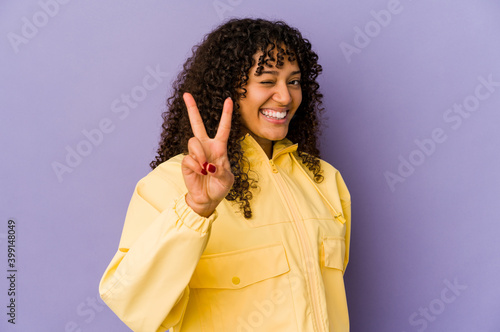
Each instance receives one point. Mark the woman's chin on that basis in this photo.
(276, 136)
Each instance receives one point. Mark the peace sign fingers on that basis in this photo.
(194, 116)
(206, 169)
(225, 121)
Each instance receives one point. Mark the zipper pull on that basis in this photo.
(340, 218)
(273, 166)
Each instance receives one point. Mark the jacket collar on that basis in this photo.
(253, 150)
(255, 154)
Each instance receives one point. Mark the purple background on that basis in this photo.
(437, 226)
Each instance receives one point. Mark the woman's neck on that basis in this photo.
(265, 144)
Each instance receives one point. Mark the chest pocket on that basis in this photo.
(333, 254)
(240, 268)
(230, 288)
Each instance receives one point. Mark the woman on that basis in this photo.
(237, 228)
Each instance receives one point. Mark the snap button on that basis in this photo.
(273, 167)
(236, 280)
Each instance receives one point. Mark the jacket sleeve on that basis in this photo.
(146, 283)
(345, 200)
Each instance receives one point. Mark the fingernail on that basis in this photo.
(204, 172)
(211, 168)
(205, 165)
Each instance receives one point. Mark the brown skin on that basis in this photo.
(219, 68)
(207, 189)
(274, 90)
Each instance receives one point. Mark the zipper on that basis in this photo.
(336, 214)
(301, 231)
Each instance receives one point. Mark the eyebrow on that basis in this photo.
(275, 72)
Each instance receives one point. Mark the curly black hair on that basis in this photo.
(219, 68)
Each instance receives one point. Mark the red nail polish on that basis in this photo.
(204, 172)
(205, 165)
(211, 168)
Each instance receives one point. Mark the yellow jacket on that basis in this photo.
(282, 270)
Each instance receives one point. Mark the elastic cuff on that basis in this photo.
(192, 219)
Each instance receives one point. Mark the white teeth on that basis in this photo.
(274, 114)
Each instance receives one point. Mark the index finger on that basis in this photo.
(194, 116)
(225, 120)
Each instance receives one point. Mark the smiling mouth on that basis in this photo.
(276, 115)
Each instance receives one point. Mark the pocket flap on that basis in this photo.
(334, 252)
(240, 268)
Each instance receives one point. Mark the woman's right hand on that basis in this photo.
(206, 169)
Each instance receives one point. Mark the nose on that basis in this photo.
(282, 94)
